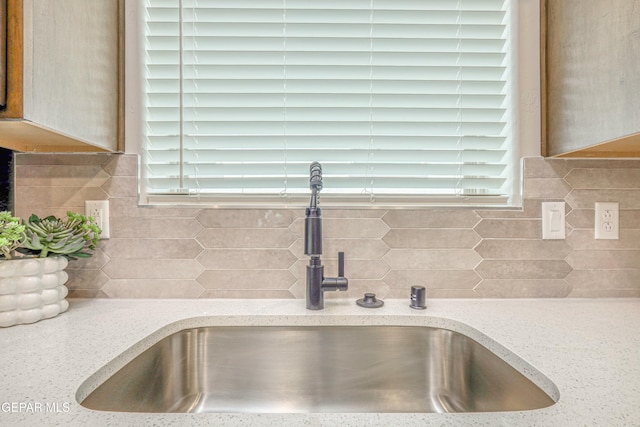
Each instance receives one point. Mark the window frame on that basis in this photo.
(526, 119)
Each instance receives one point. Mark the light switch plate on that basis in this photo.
(607, 221)
(553, 223)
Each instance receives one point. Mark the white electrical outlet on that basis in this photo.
(99, 210)
(607, 224)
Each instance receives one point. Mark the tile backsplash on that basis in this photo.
(187, 252)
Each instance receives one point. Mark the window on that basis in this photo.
(402, 101)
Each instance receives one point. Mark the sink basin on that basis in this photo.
(293, 369)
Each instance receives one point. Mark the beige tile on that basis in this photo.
(605, 293)
(124, 207)
(353, 248)
(354, 268)
(432, 279)
(510, 228)
(510, 288)
(451, 293)
(246, 279)
(581, 218)
(86, 293)
(70, 198)
(432, 259)
(629, 218)
(603, 163)
(604, 178)
(523, 269)
(345, 228)
(523, 249)
(366, 249)
(122, 165)
(26, 211)
(299, 269)
(127, 207)
(123, 268)
(298, 289)
(156, 288)
(357, 289)
(97, 261)
(121, 186)
(247, 294)
(154, 228)
(330, 212)
(539, 167)
(245, 218)
(604, 259)
(430, 238)
(152, 248)
(605, 279)
(584, 239)
(246, 238)
(433, 293)
(85, 279)
(530, 209)
(431, 218)
(428, 243)
(60, 176)
(61, 159)
(545, 188)
(246, 259)
(586, 199)
(400, 293)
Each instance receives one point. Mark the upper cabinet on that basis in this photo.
(63, 76)
(591, 78)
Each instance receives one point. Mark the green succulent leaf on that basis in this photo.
(35, 243)
(11, 234)
(54, 236)
(74, 237)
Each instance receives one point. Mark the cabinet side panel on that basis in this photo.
(592, 63)
(3, 54)
(74, 69)
(13, 56)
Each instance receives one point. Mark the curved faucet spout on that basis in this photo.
(315, 184)
(315, 176)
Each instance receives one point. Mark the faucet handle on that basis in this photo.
(339, 283)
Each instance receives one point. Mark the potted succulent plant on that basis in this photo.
(33, 256)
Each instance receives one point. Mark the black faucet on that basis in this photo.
(317, 284)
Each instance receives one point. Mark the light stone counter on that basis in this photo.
(585, 351)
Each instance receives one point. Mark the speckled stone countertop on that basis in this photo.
(585, 351)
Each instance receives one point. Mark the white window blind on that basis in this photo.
(400, 100)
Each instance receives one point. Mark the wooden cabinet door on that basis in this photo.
(591, 77)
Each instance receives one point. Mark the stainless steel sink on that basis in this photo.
(269, 369)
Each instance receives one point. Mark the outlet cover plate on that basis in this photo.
(607, 221)
(99, 210)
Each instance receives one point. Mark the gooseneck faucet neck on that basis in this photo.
(317, 284)
(315, 184)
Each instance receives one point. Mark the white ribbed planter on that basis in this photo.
(32, 289)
